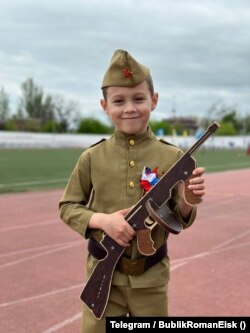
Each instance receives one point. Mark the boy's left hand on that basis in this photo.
(197, 183)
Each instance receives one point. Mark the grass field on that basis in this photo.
(36, 169)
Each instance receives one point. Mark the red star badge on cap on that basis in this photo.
(127, 73)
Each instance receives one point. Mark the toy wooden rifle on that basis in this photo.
(150, 206)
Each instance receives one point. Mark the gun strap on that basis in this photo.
(126, 265)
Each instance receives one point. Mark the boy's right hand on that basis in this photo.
(114, 225)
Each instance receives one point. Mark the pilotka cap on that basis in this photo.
(124, 71)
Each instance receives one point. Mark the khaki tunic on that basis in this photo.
(105, 179)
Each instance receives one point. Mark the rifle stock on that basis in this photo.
(96, 292)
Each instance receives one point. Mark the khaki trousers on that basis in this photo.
(125, 301)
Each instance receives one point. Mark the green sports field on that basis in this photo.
(36, 169)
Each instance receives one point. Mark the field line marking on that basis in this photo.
(36, 297)
(195, 256)
(39, 255)
(231, 240)
(33, 249)
(63, 323)
(181, 262)
(52, 221)
(34, 182)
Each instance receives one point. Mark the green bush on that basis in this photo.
(157, 125)
(52, 127)
(90, 125)
(226, 129)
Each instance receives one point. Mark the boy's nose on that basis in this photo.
(129, 107)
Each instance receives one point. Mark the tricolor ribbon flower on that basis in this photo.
(149, 178)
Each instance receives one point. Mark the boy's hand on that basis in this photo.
(118, 228)
(197, 185)
(114, 225)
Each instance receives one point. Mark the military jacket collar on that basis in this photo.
(127, 140)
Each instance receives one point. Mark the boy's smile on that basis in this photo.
(130, 108)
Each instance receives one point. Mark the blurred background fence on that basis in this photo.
(50, 140)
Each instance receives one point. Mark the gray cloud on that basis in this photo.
(198, 51)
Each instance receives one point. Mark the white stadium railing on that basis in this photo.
(46, 140)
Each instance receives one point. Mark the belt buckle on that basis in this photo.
(131, 266)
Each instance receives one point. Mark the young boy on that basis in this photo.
(110, 178)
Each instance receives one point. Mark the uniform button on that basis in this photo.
(132, 163)
(132, 184)
(131, 142)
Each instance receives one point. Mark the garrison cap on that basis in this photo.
(124, 71)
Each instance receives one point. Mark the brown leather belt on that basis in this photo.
(126, 265)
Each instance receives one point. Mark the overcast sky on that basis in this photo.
(198, 51)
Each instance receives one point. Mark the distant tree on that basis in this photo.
(231, 118)
(34, 103)
(246, 125)
(4, 106)
(66, 113)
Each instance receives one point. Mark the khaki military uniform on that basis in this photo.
(106, 179)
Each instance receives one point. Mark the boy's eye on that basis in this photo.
(117, 101)
(139, 99)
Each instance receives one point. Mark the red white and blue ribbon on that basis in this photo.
(149, 178)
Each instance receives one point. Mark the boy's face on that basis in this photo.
(130, 108)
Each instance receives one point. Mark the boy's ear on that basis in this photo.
(104, 105)
(154, 101)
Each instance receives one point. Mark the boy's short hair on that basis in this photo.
(125, 71)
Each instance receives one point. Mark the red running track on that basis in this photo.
(42, 260)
